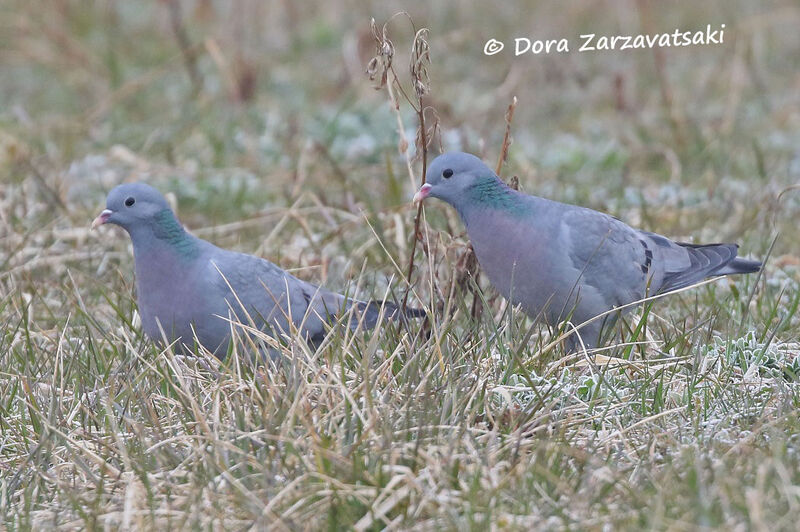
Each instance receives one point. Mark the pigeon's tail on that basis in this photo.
(372, 311)
(366, 315)
(738, 265)
(709, 260)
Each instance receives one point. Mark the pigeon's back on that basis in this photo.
(260, 294)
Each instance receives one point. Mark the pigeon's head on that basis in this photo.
(451, 175)
(130, 205)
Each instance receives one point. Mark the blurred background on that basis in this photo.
(258, 121)
(245, 109)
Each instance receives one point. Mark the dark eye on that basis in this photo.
(130, 201)
(447, 174)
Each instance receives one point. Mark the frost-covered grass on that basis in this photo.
(282, 148)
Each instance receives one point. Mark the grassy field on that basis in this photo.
(261, 124)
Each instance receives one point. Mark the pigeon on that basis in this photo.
(189, 290)
(562, 262)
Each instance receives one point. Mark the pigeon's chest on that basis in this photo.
(515, 254)
(501, 246)
(169, 297)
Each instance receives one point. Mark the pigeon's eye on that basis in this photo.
(130, 201)
(447, 174)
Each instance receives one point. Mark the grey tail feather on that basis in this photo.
(372, 311)
(708, 260)
(738, 265)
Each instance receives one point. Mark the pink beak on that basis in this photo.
(102, 218)
(423, 192)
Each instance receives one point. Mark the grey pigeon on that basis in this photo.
(187, 288)
(561, 261)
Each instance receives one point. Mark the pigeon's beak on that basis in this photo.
(102, 218)
(423, 192)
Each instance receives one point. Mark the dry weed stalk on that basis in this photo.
(507, 136)
(188, 51)
(676, 119)
(381, 67)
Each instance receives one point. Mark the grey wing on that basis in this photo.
(262, 294)
(624, 264)
(321, 307)
(610, 255)
(257, 292)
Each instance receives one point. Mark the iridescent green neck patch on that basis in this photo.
(492, 193)
(168, 229)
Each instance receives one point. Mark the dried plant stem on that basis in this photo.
(401, 129)
(675, 119)
(404, 149)
(507, 137)
(381, 66)
(418, 217)
(184, 43)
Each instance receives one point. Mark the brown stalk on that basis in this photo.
(507, 137)
(381, 66)
(188, 51)
(417, 218)
(667, 100)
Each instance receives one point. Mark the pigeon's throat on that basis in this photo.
(168, 230)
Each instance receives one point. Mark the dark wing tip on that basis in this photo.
(372, 311)
(415, 312)
(708, 260)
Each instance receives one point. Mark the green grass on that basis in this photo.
(689, 421)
